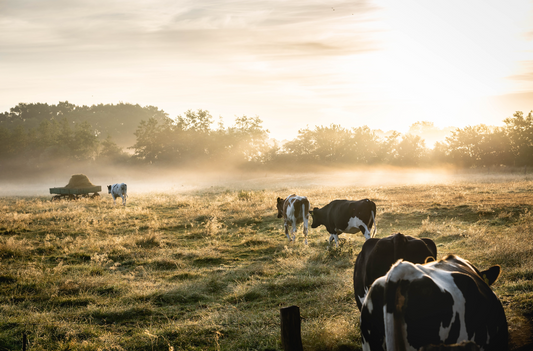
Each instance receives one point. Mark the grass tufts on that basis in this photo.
(210, 269)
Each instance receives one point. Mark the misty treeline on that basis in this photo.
(34, 135)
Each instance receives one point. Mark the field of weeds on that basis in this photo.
(210, 269)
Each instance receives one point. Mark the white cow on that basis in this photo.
(117, 190)
(294, 210)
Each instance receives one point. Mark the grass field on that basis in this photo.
(210, 269)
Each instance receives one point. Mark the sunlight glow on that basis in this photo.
(385, 63)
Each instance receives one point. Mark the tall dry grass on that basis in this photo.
(209, 270)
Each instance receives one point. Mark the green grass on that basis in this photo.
(210, 270)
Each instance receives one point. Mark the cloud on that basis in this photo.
(527, 72)
(382, 63)
(184, 28)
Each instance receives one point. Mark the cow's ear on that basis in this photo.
(491, 275)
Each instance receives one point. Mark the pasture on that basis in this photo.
(209, 269)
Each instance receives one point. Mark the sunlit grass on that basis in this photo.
(209, 270)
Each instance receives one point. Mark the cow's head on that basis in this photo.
(315, 214)
(109, 189)
(279, 206)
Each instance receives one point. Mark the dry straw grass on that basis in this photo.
(209, 270)
(79, 181)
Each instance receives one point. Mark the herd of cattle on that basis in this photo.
(408, 299)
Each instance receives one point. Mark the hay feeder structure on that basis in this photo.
(78, 187)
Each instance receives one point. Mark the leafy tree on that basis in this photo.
(364, 146)
(302, 148)
(475, 146)
(199, 121)
(495, 148)
(520, 132)
(7, 146)
(85, 142)
(410, 150)
(249, 139)
(148, 146)
(439, 154)
(388, 151)
(324, 144)
(119, 120)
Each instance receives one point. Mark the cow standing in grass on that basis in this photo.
(294, 210)
(116, 190)
(448, 301)
(346, 216)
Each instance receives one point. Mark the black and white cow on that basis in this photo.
(116, 190)
(378, 255)
(294, 210)
(442, 302)
(346, 216)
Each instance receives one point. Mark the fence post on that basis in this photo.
(291, 337)
(24, 341)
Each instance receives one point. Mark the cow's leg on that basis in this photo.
(114, 201)
(286, 225)
(294, 228)
(123, 199)
(336, 237)
(306, 229)
(364, 229)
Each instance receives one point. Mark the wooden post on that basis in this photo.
(24, 341)
(291, 337)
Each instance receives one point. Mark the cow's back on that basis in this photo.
(298, 204)
(361, 209)
(442, 302)
(339, 212)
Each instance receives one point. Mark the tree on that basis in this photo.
(148, 146)
(246, 140)
(199, 121)
(475, 146)
(410, 150)
(302, 148)
(387, 151)
(520, 132)
(85, 142)
(364, 146)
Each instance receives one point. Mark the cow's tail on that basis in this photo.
(395, 333)
(375, 229)
(395, 301)
(305, 216)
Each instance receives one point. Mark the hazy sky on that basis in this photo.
(297, 63)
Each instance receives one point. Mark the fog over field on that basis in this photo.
(179, 181)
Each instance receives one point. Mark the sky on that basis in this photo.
(385, 64)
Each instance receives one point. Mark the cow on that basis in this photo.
(117, 190)
(294, 210)
(378, 255)
(345, 216)
(448, 301)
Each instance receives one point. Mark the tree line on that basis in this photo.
(131, 134)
